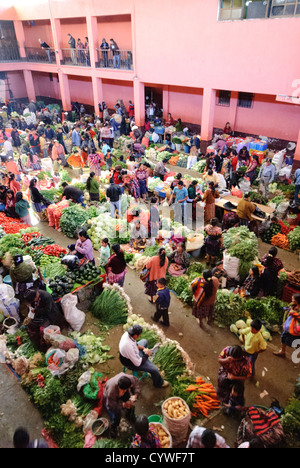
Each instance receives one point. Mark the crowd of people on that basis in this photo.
(89, 142)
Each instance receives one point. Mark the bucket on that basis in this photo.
(155, 418)
(195, 253)
(99, 426)
(186, 148)
(7, 280)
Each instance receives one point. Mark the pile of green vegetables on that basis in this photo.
(64, 284)
(72, 218)
(241, 243)
(267, 235)
(269, 310)
(110, 307)
(290, 421)
(294, 239)
(229, 307)
(180, 285)
(170, 361)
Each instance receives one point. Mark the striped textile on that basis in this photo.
(262, 421)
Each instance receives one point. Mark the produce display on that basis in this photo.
(170, 361)
(294, 239)
(162, 433)
(110, 307)
(205, 397)
(241, 243)
(175, 408)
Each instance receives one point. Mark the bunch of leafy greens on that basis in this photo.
(241, 243)
(110, 308)
(72, 218)
(229, 307)
(267, 309)
(181, 286)
(169, 359)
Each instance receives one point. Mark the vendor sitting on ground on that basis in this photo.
(179, 260)
(138, 233)
(252, 284)
(45, 313)
(120, 394)
(135, 355)
(83, 248)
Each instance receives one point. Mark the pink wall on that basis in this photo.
(186, 103)
(118, 28)
(44, 86)
(112, 91)
(81, 89)
(40, 30)
(17, 84)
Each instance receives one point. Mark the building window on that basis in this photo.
(231, 10)
(285, 8)
(245, 100)
(254, 9)
(224, 98)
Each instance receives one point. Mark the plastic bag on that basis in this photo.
(70, 260)
(231, 266)
(73, 315)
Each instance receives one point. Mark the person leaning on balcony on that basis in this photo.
(72, 44)
(116, 53)
(104, 48)
(46, 47)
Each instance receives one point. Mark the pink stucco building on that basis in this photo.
(205, 61)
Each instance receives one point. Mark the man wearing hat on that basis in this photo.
(135, 355)
(266, 176)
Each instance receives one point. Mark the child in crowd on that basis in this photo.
(254, 342)
(22, 208)
(236, 402)
(104, 251)
(162, 302)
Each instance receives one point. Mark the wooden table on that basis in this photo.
(235, 200)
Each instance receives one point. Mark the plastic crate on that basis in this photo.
(288, 292)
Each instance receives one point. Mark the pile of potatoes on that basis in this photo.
(175, 408)
(162, 434)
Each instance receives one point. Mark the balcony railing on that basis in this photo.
(40, 55)
(10, 54)
(120, 60)
(77, 57)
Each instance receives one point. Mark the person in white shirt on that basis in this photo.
(8, 149)
(134, 355)
(201, 437)
(266, 177)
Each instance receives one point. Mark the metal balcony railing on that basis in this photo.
(10, 54)
(40, 55)
(77, 57)
(121, 59)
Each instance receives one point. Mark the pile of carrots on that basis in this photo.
(173, 160)
(205, 399)
(280, 240)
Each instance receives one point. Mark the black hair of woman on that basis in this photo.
(208, 286)
(84, 234)
(19, 196)
(32, 182)
(141, 425)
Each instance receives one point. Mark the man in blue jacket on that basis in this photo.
(76, 138)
